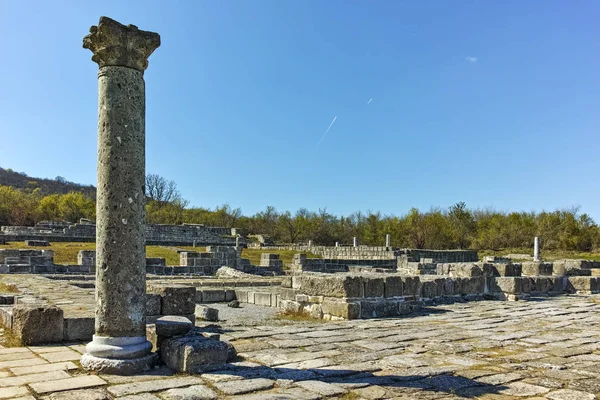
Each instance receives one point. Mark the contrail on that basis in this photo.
(370, 100)
(327, 131)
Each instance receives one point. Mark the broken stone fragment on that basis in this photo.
(207, 313)
(195, 353)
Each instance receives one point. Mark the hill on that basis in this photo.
(58, 185)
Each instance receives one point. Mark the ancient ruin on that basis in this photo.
(345, 321)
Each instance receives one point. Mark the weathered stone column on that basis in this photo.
(536, 249)
(388, 241)
(310, 243)
(355, 242)
(120, 345)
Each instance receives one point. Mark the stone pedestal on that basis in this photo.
(119, 345)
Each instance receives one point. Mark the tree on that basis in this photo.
(161, 190)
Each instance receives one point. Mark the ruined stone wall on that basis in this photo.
(301, 263)
(169, 235)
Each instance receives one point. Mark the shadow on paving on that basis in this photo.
(437, 382)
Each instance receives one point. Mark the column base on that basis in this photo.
(119, 355)
(116, 366)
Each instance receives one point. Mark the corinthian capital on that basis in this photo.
(115, 44)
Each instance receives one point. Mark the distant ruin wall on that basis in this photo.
(169, 235)
(371, 253)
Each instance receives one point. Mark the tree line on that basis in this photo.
(456, 227)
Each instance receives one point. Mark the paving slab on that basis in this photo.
(196, 392)
(55, 357)
(79, 382)
(12, 392)
(37, 369)
(32, 378)
(244, 386)
(154, 385)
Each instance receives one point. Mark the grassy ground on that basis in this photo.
(285, 255)
(547, 255)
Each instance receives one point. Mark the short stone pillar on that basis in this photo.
(355, 242)
(337, 244)
(119, 345)
(310, 243)
(536, 249)
(388, 241)
(237, 242)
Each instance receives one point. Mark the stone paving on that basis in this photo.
(547, 348)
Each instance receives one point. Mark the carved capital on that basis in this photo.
(115, 44)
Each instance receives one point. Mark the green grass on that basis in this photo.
(548, 255)
(285, 255)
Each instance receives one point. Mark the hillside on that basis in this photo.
(59, 185)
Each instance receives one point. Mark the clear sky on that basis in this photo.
(494, 103)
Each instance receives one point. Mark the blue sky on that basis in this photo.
(491, 103)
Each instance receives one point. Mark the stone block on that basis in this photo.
(428, 289)
(262, 299)
(583, 284)
(37, 243)
(511, 285)
(378, 308)
(152, 304)
(542, 284)
(536, 268)
(172, 325)
(213, 295)
(571, 267)
(392, 286)
(207, 313)
(242, 295)
(286, 282)
(411, 286)
(470, 286)
(501, 269)
(38, 324)
(176, 299)
(78, 328)
(195, 353)
(341, 309)
(373, 286)
(337, 285)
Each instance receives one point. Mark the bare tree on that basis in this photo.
(161, 190)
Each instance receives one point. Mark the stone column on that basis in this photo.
(388, 241)
(337, 244)
(536, 249)
(355, 242)
(119, 345)
(310, 243)
(237, 242)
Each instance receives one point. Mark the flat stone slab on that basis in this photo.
(86, 394)
(12, 392)
(197, 392)
(33, 378)
(78, 382)
(322, 388)
(68, 355)
(37, 369)
(154, 386)
(244, 386)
